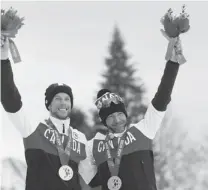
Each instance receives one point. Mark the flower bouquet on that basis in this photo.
(173, 27)
(10, 24)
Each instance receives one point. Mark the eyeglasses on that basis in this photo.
(106, 99)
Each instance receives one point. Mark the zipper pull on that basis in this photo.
(63, 129)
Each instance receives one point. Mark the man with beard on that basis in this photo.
(122, 159)
(53, 149)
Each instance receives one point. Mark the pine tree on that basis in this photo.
(119, 77)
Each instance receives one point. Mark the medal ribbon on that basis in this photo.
(64, 154)
(12, 46)
(114, 167)
(14, 51)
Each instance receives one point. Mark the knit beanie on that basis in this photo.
(109, 103)
(54, 89)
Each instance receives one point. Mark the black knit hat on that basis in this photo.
(104, 112)
(54, 89)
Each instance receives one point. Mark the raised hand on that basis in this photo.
(4, 48)
(174, 50)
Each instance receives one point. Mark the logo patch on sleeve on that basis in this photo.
(75, 135)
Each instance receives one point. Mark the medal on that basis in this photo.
(66, 173)
(114, 183)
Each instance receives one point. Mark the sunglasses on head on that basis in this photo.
(106, 99)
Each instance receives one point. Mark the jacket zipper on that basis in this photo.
(148, 183)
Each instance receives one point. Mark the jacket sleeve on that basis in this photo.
(11, 100)
(163, 94)
(154, 115)
(10, 96)
(87, 167)
(96, 181)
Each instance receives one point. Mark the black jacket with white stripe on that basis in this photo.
(137, 164)
(41, 154)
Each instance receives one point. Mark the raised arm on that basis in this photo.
(163, 94)
(156, 110)
(10, 96)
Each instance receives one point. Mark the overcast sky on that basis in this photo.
(68, 42)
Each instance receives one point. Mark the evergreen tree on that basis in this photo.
(119, 77)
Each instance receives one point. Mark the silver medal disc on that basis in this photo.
(114, 183)
(66, 173)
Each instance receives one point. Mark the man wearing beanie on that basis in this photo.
(123, 158)
(53, 149)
